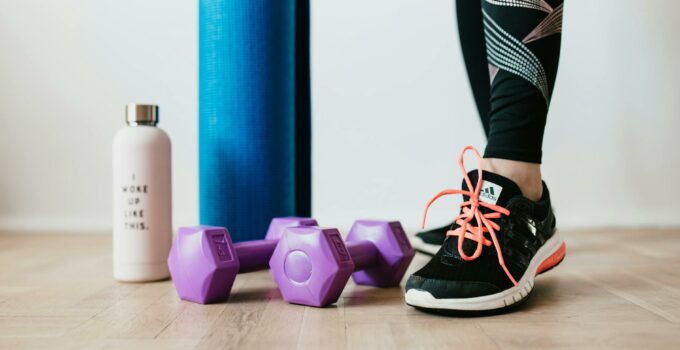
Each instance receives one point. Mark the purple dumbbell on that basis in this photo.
(311, 265)
(204, 262)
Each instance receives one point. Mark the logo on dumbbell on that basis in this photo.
(336, 241)
(222, 247)
(399, 234)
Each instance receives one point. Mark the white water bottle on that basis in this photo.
(142, 198)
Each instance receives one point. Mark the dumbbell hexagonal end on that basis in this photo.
(203, 264)
(394, 247)
(278, 225)
(311, 265)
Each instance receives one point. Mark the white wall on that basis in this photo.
(67, 69)
(391, 106)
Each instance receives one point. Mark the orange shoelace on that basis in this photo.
(471, 210)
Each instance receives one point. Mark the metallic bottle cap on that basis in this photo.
(140, 114)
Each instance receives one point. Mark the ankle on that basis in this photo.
(526, 175)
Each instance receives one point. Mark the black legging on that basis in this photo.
(511, 50)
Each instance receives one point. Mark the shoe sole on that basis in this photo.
(424, 247)
(548, 256)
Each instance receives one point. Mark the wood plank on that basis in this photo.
(370, 336)
(324, 328)
(441, 334)
(241, 314)
(562, 334)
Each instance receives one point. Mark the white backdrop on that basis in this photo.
(391, 107)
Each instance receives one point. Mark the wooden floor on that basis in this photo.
(614, 290)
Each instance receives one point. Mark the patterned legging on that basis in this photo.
(511, 50)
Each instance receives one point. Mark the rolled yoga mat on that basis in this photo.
(254, 113)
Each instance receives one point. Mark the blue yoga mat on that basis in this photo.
(254, 157)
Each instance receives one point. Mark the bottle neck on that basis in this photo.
(140, 123)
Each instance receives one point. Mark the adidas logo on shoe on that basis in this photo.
(490, 192)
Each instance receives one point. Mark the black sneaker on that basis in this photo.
(429, 242)
(525, 237)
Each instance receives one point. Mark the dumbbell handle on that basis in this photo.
(255, 255)
(363, 253)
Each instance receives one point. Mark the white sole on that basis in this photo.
(506, 298)
(423, 247)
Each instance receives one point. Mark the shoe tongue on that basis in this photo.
(496, 189)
